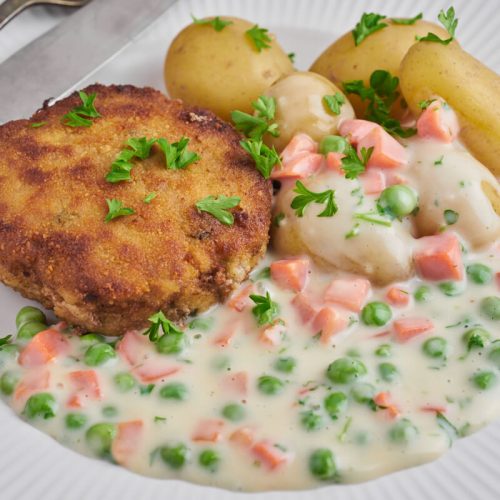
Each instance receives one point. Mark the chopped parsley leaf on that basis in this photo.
(439, 161)
(264, 157)
(305, 197)
(150, 197)
(80, 116)
(334, 102)
(219, 207)
(352, 164)
(407, 21)
(116, 209)
(259, 37)
(217, 23)
(177, 156)
(159, 321)
(368, 24)
(291, 56)
(37, 124)
(450, 23)
(256, 126)
(265, 310)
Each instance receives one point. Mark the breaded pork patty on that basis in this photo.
(55, 246)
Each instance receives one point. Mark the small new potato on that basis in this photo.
(222, 70)
(343, 60)
(467, 85)
(300, 107)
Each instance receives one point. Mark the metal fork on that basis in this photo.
(10, 8)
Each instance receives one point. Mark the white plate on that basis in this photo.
(34, 467)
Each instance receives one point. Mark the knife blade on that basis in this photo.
(70, 52)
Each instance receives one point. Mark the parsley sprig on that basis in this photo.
(255, 126)
(381, 95)
(5, 341)
(217, 23)
(265, 158)
(219, 207)
(352, 164)
(177, 156)
(407, 21)
(305, 197)
(116, 209)
(79, 115)
(139, 147)
(160, 322)
(334, 102)
(368, 24)
(259, 37)
(265, 310)
(450, 23)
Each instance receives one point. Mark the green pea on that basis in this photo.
(98, 354)
(335, 404)
(285, 365)
(100, 437)
(490, 308)
(363, 392)
(403, 431)
(110, 411)
(333, 144)
(209, 459)
(346, 370)
(388, 372)
(435, 347)
(384, 351)
(233, 412)
(398, 200)
(174, 390)
(267, 384)
(311, 421)
(124, 381)
(173, 343)
(29, 314)
(479, 273)
(28, 330)
(476, 337)
(484, 380)
(41, 405)
(422, 293)
(75, 420)
(376, 314)
(91, 338)
(8, 382)
(494, 354)
(322, 464)
(175, 456)
(451, 288)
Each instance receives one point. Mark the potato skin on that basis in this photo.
(343, 61)
(222, 71)
(300, 107)
(469, 87)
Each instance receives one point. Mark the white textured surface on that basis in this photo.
(34, 467)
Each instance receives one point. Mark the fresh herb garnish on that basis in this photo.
(352, 164)
(450, 23)
(219, 207)
(265, 310)
(353, 232)
(305, 197)
(116, 209)
(374, 218)
(450, 217)
(159, 321)
(278, 218)
(37, 124)
(447, 426)
(150, 197)
(381, 95)
(4, 341)
(139, 147)
(291, 56)
(79, 115)
(334, 102)
(439, 161)
(177, 155)
(259, 37)
(368, 24)
(256, 126)
(263, 274)
(425, 103)
(407, 21)
(265, 158)
(217, 23)
(160, 419)
(145, 390)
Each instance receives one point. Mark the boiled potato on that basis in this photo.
(300, 107)
(343, 61)
(470, 88)
(222, 70)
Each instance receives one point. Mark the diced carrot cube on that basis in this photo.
(271, 456)
(127, 440)
(334, 162)
(209, 430)
(153, 370)
(387, 151)
(355, 130)
(439, 257)
(329, 321)
(130, 346)
(86, 385)
(272, 335)
(350, 293)
(383, 400)
(32, 381)
(236, 383)
(497, 279)
(373, 181)
(291, 274)
(43, 348)
(227, 333)
(438, 122)
(241, 298)
(304, 307)
(300, 143)
(407, 328)
(301, 166)
(434, 408)
(397, 296)
(244, 436)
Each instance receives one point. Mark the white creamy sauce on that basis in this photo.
(360, 438)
